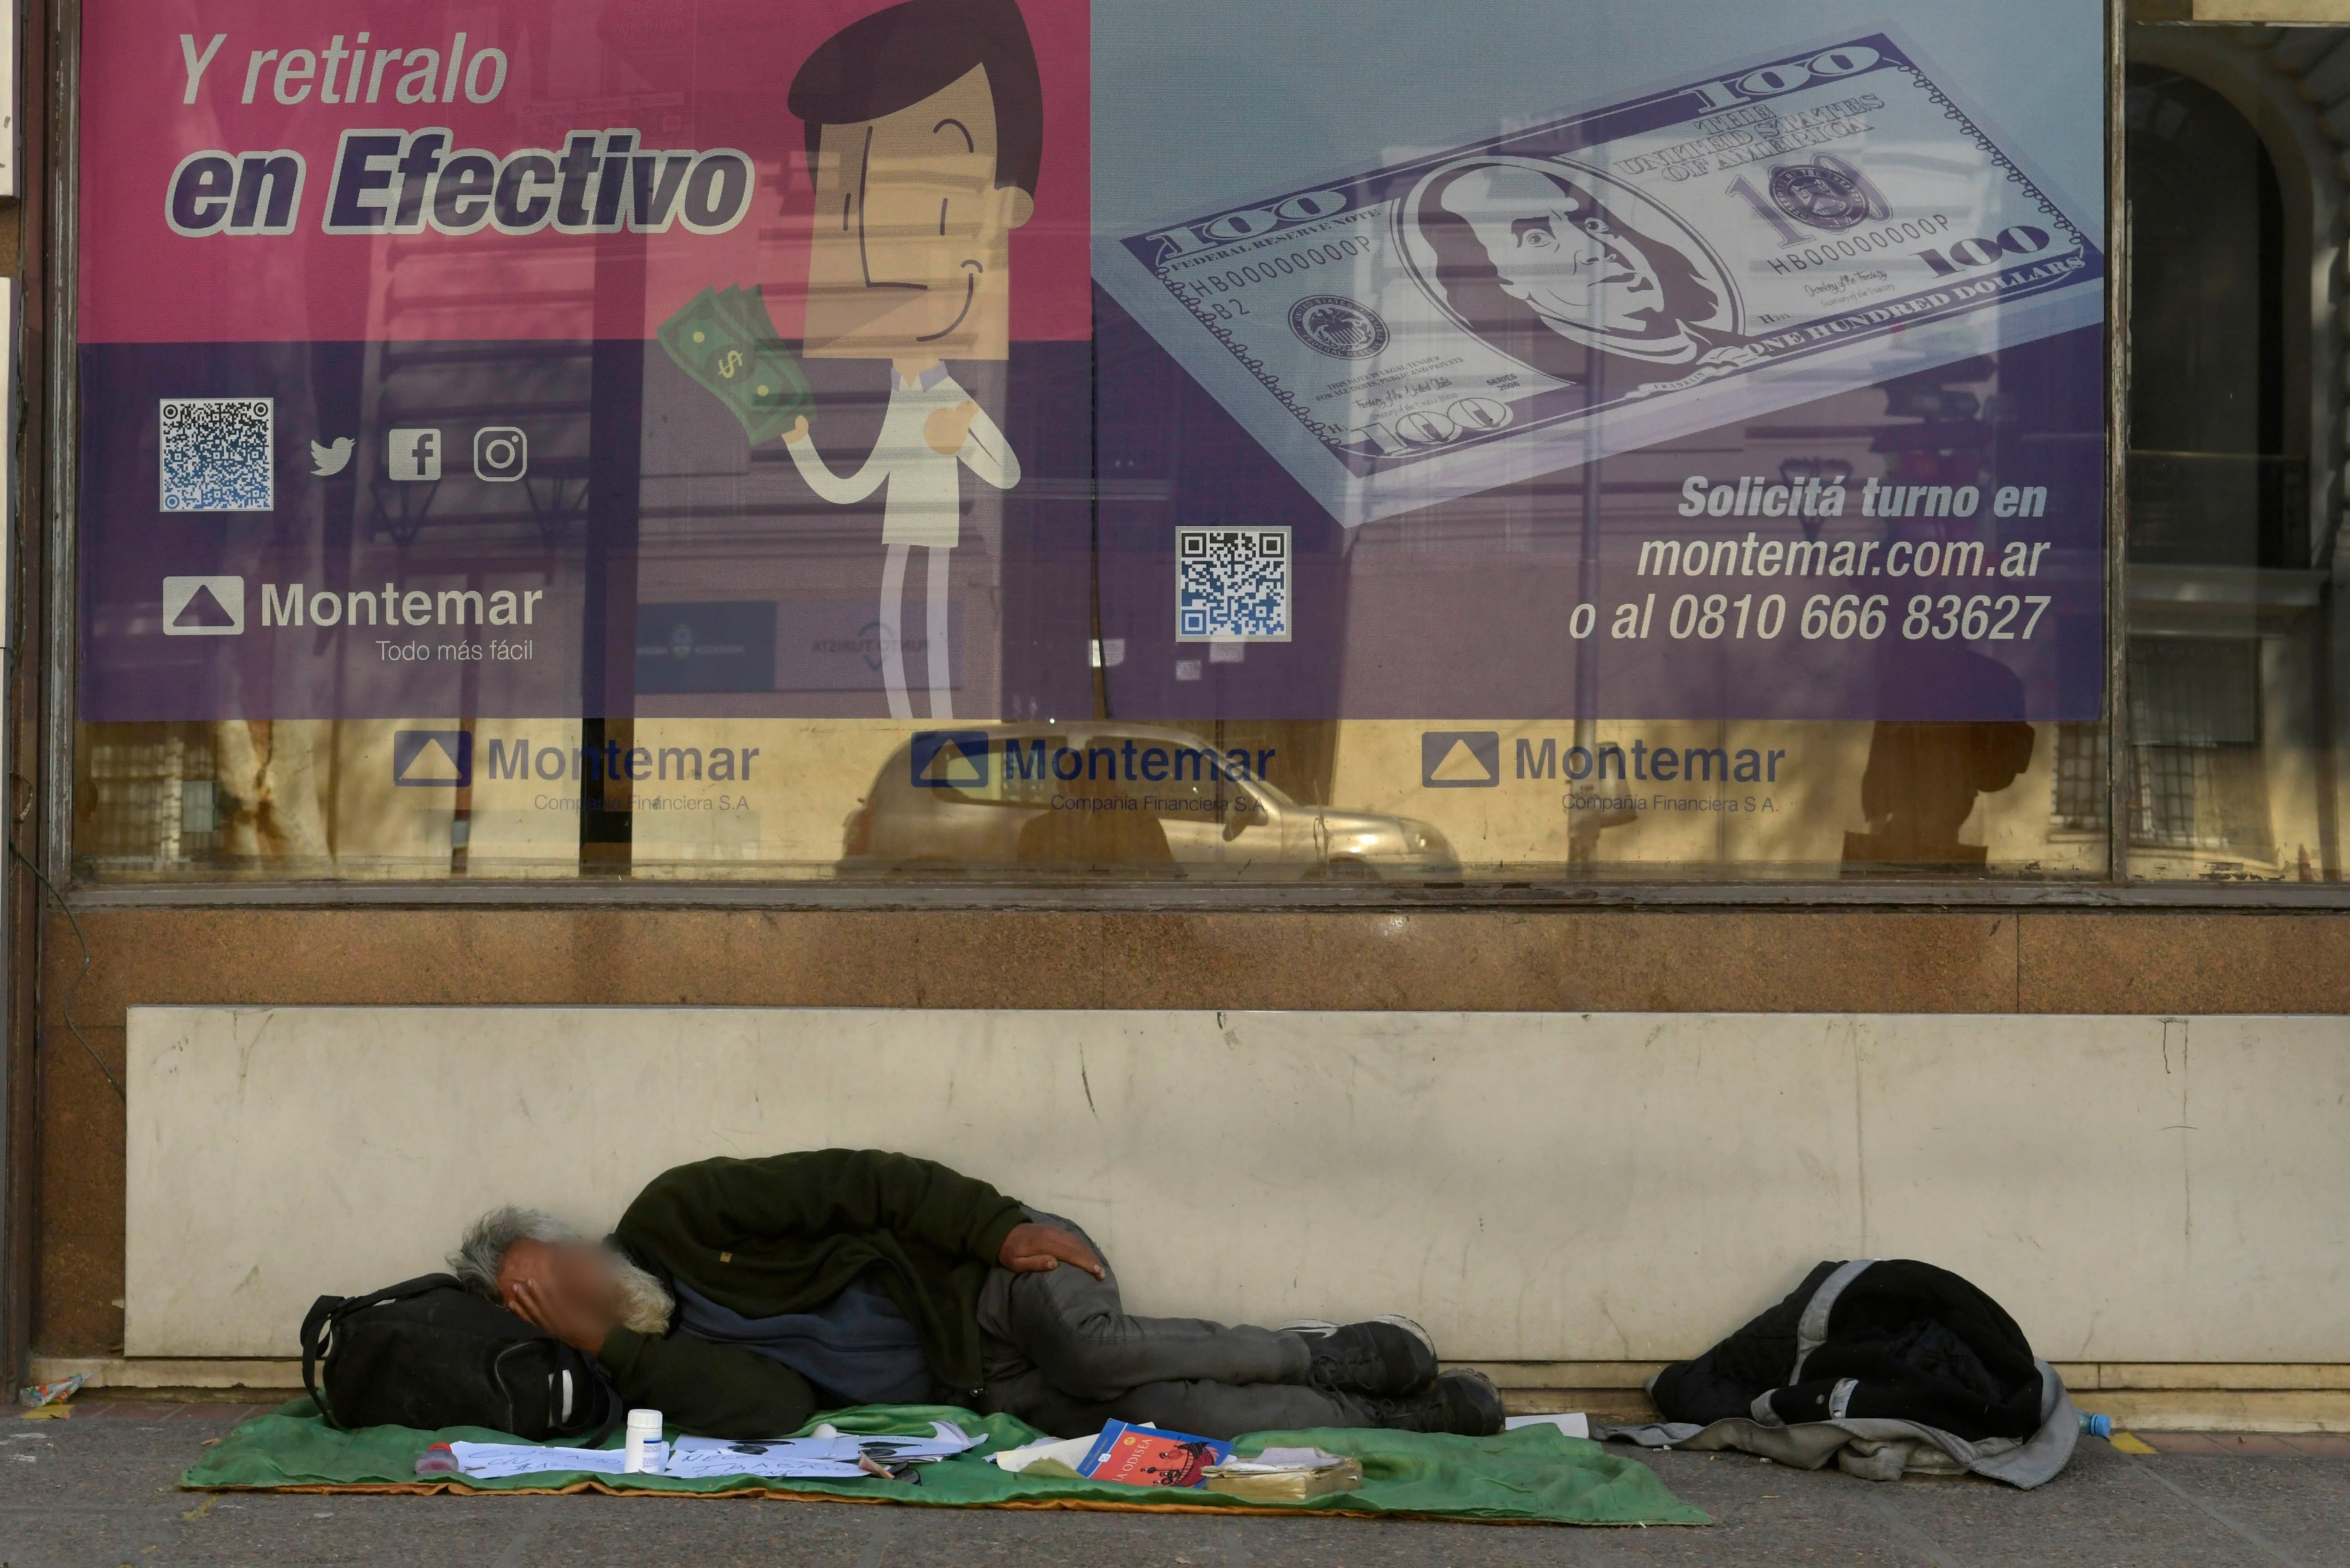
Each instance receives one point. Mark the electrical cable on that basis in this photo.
(67, 1007)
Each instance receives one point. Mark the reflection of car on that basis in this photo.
(1216, 817)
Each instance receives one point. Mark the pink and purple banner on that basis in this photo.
(811, 358)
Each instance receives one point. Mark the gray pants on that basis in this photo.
(1062, 1354)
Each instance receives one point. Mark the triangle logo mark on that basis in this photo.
(1461, 763)
(949, 766)
(434, 765)
(203, 608)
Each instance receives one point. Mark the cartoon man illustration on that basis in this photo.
(925, 126)
(1535, 262)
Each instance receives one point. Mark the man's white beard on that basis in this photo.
(645, 1303)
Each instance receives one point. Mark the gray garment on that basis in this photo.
(1879, 1448)
(856, 1348)
(1061, 1353)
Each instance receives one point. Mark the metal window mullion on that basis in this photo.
(2117, 345)
(62, 439)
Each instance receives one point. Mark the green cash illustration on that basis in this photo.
(723, 339)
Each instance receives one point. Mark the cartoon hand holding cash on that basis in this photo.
(924, 125)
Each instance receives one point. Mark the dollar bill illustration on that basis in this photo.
(1776, 231)
(724, 341)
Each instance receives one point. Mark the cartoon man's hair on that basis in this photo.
(1472, 285)
(898, 56)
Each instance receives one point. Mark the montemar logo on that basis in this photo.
(1545, 758)
(1629, 775)
(518, 759)
(296, 605)
(959, 759)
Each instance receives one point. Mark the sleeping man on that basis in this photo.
(739, 1296)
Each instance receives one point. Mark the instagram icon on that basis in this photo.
(501, 453)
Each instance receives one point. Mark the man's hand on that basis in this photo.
(946, 428)
(1034, 1249)
(798, 433)
(579, 1326)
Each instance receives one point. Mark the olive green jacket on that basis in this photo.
(786, 1234)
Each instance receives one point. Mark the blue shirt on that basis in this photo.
(857, 1347)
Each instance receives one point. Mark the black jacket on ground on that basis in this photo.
(786, 1234)
(1897, 1339)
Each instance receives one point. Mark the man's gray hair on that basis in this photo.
(482, 1252)
(645, 1305)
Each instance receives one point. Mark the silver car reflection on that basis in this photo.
(1217, 819)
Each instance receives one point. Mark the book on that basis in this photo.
(1149, 1456)
(1285, 1474)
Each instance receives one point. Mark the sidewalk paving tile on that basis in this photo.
(74, 1494)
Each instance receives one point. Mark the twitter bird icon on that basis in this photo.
(330, 458)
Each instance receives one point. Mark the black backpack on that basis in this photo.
(430, 1354)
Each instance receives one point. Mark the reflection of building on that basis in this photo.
(2236, 413)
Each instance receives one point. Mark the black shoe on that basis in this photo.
(1378, 1360)
(1462, 1402)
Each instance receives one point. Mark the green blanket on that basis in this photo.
(1535, 1475)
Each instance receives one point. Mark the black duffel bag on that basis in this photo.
(430, 1354)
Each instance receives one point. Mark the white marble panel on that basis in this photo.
(1530, 1185)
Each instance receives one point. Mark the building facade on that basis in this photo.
(1572, 677)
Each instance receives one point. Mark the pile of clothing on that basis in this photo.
(1882, 1366)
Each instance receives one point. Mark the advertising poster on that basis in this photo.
(495, 419)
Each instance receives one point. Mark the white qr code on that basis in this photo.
(1231, 585)
(217, 454)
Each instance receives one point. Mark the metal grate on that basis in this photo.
(2195, 724)
(2080, 804)
(152, 799)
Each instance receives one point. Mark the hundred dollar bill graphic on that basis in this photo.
(723, 339)
(1777, 231)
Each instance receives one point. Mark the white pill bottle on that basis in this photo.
(642, 1451)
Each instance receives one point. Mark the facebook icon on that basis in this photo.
(414, 454)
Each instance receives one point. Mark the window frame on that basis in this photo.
(53, 154)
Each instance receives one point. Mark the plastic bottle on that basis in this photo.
(641, 1452)
(2097, 1426)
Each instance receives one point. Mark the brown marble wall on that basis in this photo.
(1598, 960)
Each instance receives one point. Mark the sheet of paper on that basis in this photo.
(752, 1459)
(488, 1462)
(1067, 1452)
(1575, 1424)
(830, 1456)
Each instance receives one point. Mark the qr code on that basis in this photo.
(217, 454)
(1231, 585)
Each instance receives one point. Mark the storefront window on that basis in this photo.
(1027, 440)
(2235, 422)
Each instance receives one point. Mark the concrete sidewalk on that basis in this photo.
(96, 1490)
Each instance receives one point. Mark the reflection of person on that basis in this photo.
(925, 126)
(1086, 825)
(1923, 776)
(738, 1296)
(1535, 262)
